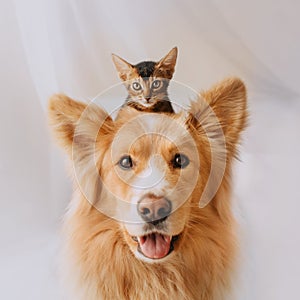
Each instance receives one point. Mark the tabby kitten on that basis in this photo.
(147, 82)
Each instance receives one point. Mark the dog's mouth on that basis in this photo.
(155, 245)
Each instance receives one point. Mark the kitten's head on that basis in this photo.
(147, 81)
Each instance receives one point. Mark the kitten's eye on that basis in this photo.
(125, 162)
(136, 86)
(180, 161)
(156, 84)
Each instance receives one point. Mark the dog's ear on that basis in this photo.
(77, 123)
(221, 110)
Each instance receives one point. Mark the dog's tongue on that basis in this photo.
(155, 245)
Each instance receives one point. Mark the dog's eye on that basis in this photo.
(126, 162)
(180, 161)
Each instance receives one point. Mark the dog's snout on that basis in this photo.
(154, 210)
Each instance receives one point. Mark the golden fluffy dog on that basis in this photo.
(150, 217)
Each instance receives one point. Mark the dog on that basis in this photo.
(150, 216)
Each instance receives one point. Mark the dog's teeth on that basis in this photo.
(167, 238)
(140, 239)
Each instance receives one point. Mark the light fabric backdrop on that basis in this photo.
(65, 46)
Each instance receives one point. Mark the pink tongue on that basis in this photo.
(155, 245)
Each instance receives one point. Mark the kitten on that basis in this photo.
(147, 82)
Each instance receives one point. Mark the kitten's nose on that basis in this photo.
(147, 99)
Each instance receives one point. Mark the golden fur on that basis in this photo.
(102, 258)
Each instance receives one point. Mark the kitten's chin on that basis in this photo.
(147, 104)
(143, 103)
(141, 106)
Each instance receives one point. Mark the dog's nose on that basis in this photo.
(154, 210)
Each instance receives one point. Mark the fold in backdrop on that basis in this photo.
(65, 46)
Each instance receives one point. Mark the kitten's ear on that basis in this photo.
(223, 106)
(123, 67)
(168, 62)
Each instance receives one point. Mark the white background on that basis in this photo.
(64, 46)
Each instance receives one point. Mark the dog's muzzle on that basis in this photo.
(154, 211)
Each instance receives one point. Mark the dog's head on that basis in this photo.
(150, 171)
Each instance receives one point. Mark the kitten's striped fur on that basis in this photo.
(147, 82)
